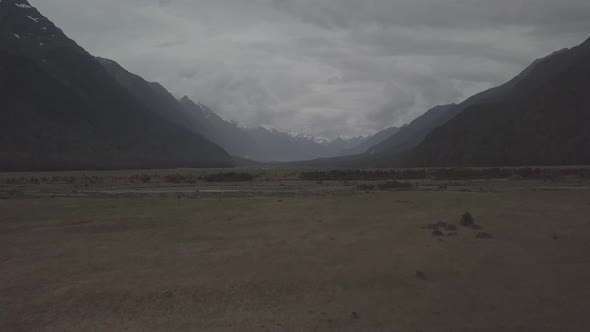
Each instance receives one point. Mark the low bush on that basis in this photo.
(228, 177)
(444, 174)
(143, 178)
(180, 178)
(395, 185)
(467, 220)
(365, 187)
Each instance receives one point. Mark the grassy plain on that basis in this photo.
(280, 254)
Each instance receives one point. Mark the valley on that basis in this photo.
(217, 251)
(388, 173)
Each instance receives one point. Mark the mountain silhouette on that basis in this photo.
(62, 110)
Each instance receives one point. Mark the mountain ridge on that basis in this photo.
(80, 118)
(258, 143)
(542, 120)
(407, 147)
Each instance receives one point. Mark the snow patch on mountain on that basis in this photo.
(309, 137)
(205, 110)
(23, 6)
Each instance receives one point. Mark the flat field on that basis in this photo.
(112, 251)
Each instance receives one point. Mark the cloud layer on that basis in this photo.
(327, 67)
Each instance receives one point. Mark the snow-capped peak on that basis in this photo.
(309, 137)
(322, 140)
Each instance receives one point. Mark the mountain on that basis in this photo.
(308, 137)
(275, 145)
(396, 151)
(258, 143)
(412, 134)
(343, 145)
(371, 141)
(346, 146)
(227, 134)
(194, 117)
(153, 95)
(293, 147)
(252, 143)
(62, 110)
(542, 119)
(386, 148)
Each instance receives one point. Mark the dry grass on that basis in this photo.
(322, 263)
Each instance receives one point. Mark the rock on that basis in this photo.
(421, 275)
(467, 220)
(354, 315)
(437, 232)
(451, 227)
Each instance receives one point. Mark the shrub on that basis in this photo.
(179, 178)
(228, 177)
(437, 232)
(365, 187)
(363, 175)
(467, 220)
(145, 178)
(395, 185)
(16, 193)
(451, 227)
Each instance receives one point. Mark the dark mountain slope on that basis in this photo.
(457, 146)
(153, 95)
(389, 153)
(195, 117)
(411, 135)
(544, 119)
(62, 110)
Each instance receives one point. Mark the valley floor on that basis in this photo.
(285, 255)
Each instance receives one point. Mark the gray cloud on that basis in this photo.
(327, 67)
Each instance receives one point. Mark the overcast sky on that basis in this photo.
(325, 67)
